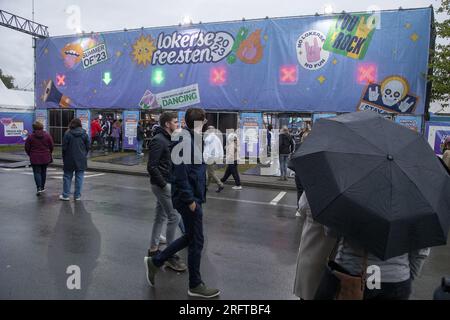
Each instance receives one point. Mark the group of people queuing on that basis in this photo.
(106, 133)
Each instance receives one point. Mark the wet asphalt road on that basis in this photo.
(250, 246)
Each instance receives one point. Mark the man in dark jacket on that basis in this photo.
(159, 167)
(286, 146)
(106, 132)
(39, 146)
(75, 148)
(188, 195)
(140, 138)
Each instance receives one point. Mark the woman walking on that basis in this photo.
(231, 158)
(39, 147)
(74, 151)
(116, 132)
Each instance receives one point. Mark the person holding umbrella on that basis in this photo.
(396, 273)
(382, 203)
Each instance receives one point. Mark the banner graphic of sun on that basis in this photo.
(143, 50)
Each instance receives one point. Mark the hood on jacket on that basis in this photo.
(38, 134)
(159, 129)
(77, 132)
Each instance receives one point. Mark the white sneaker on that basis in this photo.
(61, 197)
(237, 188)
(162, 239)
(297, 214)
(78, 199)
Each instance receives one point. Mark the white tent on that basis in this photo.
(438, 109)
(15, 100)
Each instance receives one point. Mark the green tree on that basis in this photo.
(7, 80)
(440, 91)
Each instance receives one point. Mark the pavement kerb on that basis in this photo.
(95, 166)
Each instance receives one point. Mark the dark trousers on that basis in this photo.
(98, 138)
(232, 169)
(193, 239)
(40, 175)
(299, 186)
(109, 141)
(387, 291)
(390, 291)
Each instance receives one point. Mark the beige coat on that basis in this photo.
(232, 148)
(446, 158)
(315, 247)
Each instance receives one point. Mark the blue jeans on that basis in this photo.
(116, 144)
(67, 182)
(193, 239)
(283, 164)
(139, 147)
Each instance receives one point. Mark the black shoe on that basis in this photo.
(38, 192)
(220, 189)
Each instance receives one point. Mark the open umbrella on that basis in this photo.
(376, 183)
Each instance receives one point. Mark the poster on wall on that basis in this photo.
(84, 116)
(250, 125)
(411, 122)
(41, 116)
(436, 133)
(15, 127)
(130, 119)
(181, 122)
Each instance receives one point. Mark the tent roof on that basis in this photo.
(437, 108)
(15, 99)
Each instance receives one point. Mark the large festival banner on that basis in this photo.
(334, 63)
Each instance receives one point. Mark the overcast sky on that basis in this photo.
(16, 53)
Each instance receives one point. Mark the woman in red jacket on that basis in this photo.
(39, 147)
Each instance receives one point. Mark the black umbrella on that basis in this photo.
(376, 183)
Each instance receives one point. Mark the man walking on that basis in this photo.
(188, 194)
(212, 154)
(286, 147)
(159, 167)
